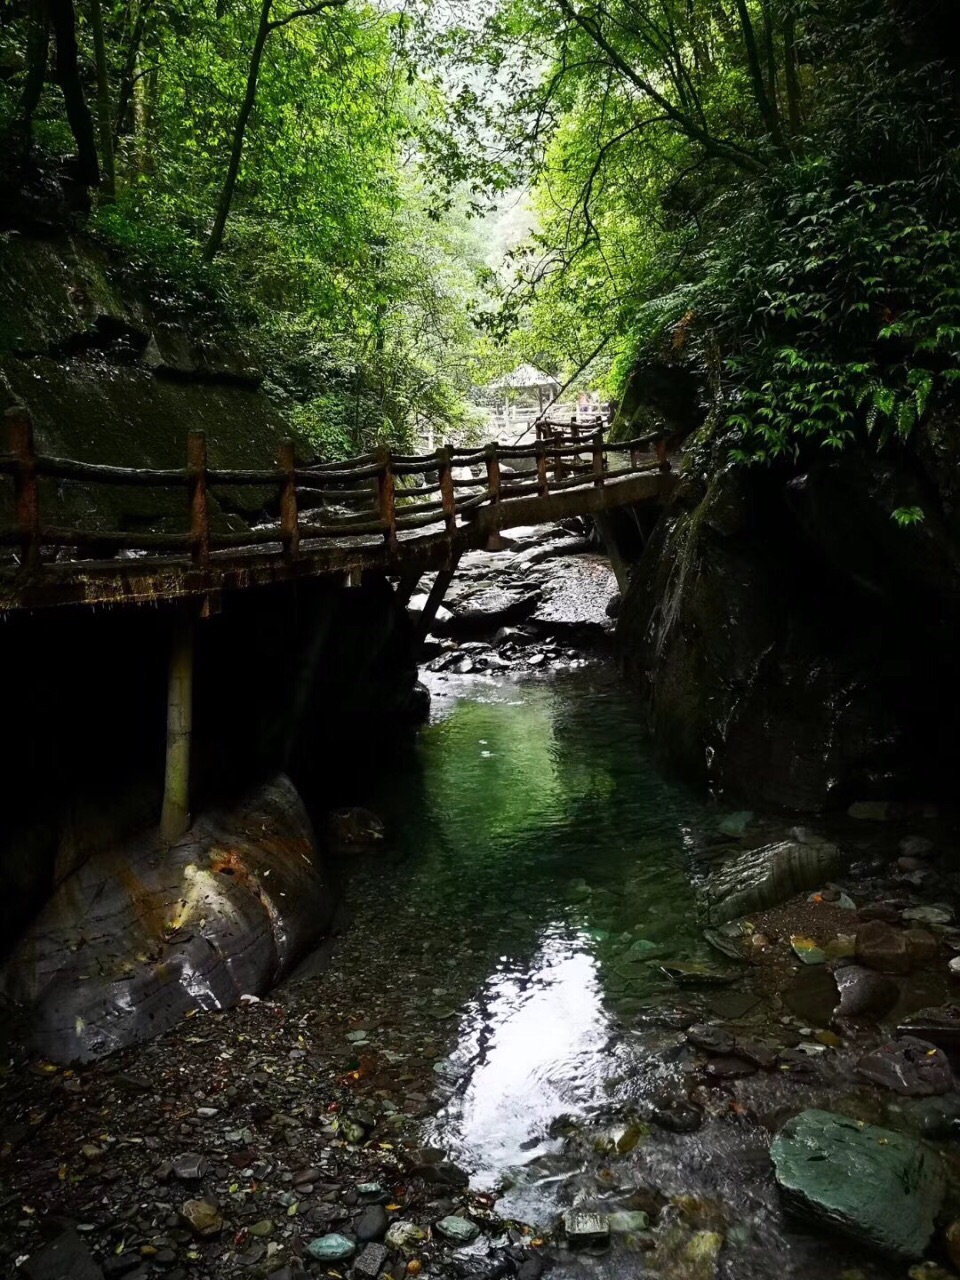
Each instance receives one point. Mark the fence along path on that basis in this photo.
(382, 510)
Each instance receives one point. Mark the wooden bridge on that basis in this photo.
(396, 513)
(400, 515)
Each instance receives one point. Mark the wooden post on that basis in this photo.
(663, 456)
(387, 496)
(199, 509)
(175, 816)
(26, 488)
(635, 458)
(557, 459)
(542, 485)
(289, 521)
(493, 474)
(598, 458)
(447, 493)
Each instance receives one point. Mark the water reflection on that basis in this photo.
(533, 1050)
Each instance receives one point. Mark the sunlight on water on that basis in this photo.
(533, 811)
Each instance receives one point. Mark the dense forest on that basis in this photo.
(749, 204)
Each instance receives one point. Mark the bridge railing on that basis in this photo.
(380, 494)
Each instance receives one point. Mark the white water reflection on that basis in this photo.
(533, 1048)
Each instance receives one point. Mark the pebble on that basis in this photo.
(458, 1230)
(372, 1223)
(405, 1235)
(191, 1167)
(332, 1248)
(586, 1228)
(370, 1262)
(936, 915)
(202, 1217)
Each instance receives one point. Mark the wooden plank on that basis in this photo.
(197, 488)
(289, 521)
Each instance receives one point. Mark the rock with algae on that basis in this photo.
(766, 877)
(871, 1184)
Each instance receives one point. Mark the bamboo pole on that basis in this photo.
(175, 815)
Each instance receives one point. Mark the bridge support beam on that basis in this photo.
(175, 815)
(441, 586)
(606, 529)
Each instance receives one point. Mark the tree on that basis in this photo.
(265, 27)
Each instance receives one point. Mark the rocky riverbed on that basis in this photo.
(576, 1020)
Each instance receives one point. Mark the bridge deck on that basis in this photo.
(394, 513)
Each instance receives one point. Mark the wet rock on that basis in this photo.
(730, 1068)
(871, 1184)
(951, 1238)
(864, 993)
(872, 810)
(806, 950)
(710, 1039)
(404, 1235)
(916, 847)
(203, 1217)
(812, 996)
(370, 1262)
(191, 1167)
(767, 877)
(65, 1258)
(941, 1026)
(937, 914)
(880, 946)
(582, 1229)
(372, 1223)
(356, 827)
(679, 1116)
(628, 1222)
(923, 946)
(457, 1230)
(441, 1173)
(888, 912)
(909, 1066)
(169, 931)
(332, 1248)
(531, 1268)
(757, 1053)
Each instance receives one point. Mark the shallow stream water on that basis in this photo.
(532, 811)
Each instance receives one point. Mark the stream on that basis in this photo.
(531, 817)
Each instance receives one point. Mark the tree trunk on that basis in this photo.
(63, 20)
(230, 182)
(791, 79)
(104, 114)
(767, 108)
(38, 47)
(129, 72)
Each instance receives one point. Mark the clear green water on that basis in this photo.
(534, 810)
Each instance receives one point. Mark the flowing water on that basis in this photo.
(531, 816)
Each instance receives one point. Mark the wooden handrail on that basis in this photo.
(383, 508)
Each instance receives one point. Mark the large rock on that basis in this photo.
(794, 644)
(873, 1185)
(912, 1067)
(142, 934)
(766, 877)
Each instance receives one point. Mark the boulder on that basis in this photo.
(875, 1186)
(767, 877)
(864, 993)
(881, 946)
(143, 933)
(912, 1067)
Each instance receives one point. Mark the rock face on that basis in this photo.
(792, 641)
(114, 374)
(871, 1184)
(766, 877)
(140, 935)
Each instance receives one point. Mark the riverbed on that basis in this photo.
(498, 1034)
